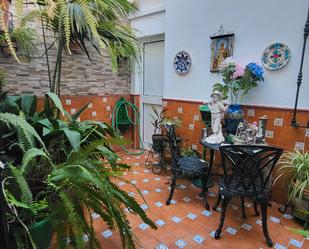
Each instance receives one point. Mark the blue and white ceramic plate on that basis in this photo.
(276, 56)
(182, 63)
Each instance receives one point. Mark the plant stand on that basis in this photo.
(159, 163)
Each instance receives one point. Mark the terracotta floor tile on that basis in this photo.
(199, 224)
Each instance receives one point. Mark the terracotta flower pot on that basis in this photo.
(6, 50)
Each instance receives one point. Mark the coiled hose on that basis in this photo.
(122, 103)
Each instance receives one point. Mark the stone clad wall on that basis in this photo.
(79, 75)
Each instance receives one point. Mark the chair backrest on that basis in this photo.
(249, 166)
(172, 141)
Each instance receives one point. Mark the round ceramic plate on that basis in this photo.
(276, 56)
(182, 63)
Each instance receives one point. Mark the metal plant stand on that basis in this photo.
(155, 161)
(294, 120)
(300, 75)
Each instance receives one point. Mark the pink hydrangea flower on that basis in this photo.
(239, 71)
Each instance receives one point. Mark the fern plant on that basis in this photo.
(66, 172)
(295, 166)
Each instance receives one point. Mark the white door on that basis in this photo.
(152, 87)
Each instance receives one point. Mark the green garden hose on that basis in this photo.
(121, 108)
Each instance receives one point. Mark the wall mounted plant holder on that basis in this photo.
(6, 50)
(300, 76)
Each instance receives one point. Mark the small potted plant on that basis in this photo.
(293, 169)
(21, 38)
(237, 82)
(157, 138)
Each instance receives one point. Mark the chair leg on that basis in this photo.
(204, 190)
(173, 183)
(257, 213)
(225, 202)
(217, 202)
(264, 224)
(243, 211)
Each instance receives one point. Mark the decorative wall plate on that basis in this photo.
(182, 63)
(276, 56)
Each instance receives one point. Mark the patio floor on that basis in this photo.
(186, 223)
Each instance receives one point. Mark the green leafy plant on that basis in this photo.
(295, 166)
(26, 39)
(189, 152)
(237, 81)
(62, 170)
(158, 119)
(21, 37)
(100, 25)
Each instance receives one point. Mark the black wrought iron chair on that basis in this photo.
(185, 166)
(247, 173)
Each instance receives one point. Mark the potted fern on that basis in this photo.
(294, 168)
(59, 172)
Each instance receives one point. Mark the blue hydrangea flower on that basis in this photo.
(255, 69)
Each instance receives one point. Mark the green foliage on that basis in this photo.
(189, 152)
(2, 83)
(302, 232)
(64, 171)
(159, 119)
(99, 24)
(236, 88)
(25, 37)
(295, 166)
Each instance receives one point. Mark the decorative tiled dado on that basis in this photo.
(269, 134)
(73, 110)
(99, 108)
(279, 131)
(251, 112)
(68, 102)
(278, 122)
(299, 146)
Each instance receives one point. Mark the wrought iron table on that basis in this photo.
(212, 148)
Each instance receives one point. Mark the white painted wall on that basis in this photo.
(146, 5)
(149, 25)
(256, 24)
(150, 19)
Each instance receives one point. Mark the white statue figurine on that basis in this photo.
(217, 108)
